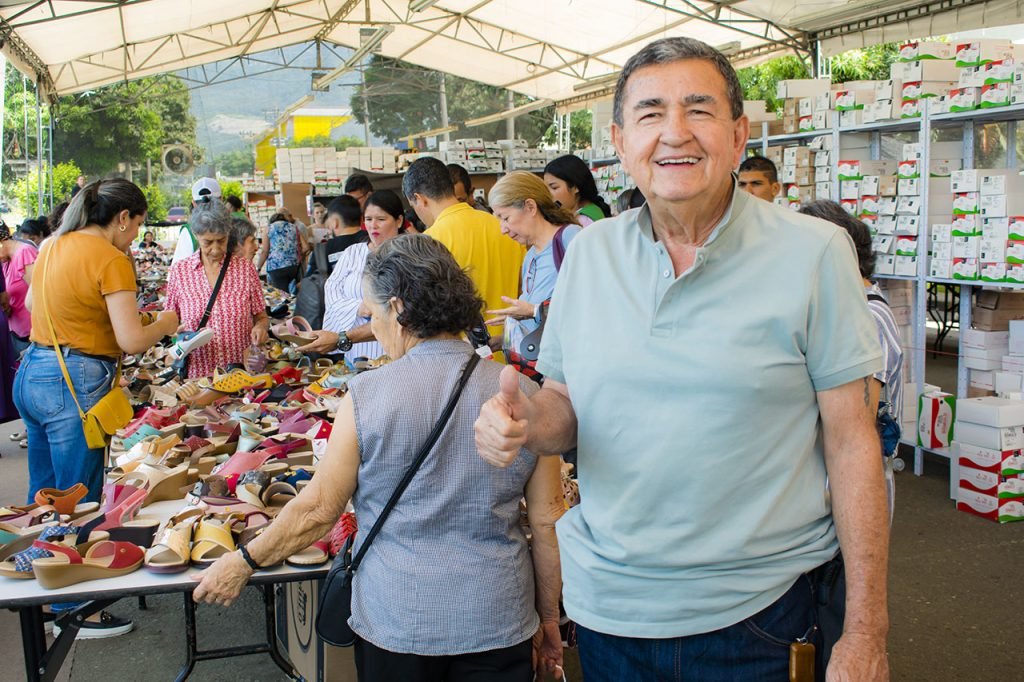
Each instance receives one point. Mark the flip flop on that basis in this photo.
(315, 555)
(105, 559)
(212, 540)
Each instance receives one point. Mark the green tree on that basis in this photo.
(235, 163)
(871, 63)
(339, 143)
(26, 190)
(98, 129)
(230, 188)
(157, 201)
(404, 99)
(581, 124)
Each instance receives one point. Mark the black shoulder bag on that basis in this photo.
(183, 369)
(335, 606)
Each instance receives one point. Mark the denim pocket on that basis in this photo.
(45, 395)
(96, 376)
(788, 619)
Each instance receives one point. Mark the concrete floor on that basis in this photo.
(952, 597)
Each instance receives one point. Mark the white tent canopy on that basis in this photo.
(550, 49)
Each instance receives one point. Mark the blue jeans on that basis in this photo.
(57, 454)
(754, 649)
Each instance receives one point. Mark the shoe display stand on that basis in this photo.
(43, 663)
(967, 123)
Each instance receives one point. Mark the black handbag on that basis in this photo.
(335, 605)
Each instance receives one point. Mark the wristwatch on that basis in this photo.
(344, 343)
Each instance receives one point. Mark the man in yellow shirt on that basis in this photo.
(491, 259)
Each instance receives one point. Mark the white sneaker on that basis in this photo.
(183, 348)
(109, 626)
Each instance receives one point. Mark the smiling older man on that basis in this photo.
(731, 385)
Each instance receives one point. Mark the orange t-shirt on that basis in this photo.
(85, 268)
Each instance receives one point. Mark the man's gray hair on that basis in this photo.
(668, 50)
(211, 217)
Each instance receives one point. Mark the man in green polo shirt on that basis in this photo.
(711, 356)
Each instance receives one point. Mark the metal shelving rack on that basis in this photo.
(923, 126)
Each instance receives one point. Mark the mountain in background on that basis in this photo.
(230, 113)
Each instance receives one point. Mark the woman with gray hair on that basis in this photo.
(238, 317)
(449, 589)
(243, 238)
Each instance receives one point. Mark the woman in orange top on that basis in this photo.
(85, 284)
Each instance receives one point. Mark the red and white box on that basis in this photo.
(936, 412)
(983, 459)
(990, 507)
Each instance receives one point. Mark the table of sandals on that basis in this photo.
(42, 663)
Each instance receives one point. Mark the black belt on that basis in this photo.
(73, 351)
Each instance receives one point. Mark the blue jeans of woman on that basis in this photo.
(57, 454)
(754, 649)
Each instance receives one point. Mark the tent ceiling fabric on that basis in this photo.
(540, 48)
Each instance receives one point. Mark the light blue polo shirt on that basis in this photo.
(701, 464)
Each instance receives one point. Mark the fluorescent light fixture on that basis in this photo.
(420, 5)
(597, 82)
(509, 113)
(431, 133)
(368, 45)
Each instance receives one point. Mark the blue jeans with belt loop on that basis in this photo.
(753, 649)
(57, 454)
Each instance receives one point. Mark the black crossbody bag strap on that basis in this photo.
(213, 294)
(414, 467)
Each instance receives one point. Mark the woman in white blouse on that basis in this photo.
(346, 323)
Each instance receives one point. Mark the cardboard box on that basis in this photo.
(796, 156)
(992, 251)
(1015, 227)
(981, 363)
(989, 506)
(965, 269)
(886, 265)
(966, 203)
(913, 90)
(983, 379)
(804, 87)
(906, 266)
(990, 411)
(941, 251)
(964, 99)
(924, 70)
(313, 660)
(1015, 252)
(888, 89)
(991, 271)
(936, 413)
(966, 247)
(994, 95)
(942, 233)
(992, 437)
(1007, 382)
(979, 52)
(978, 480)
(925, 49)
(851, 99)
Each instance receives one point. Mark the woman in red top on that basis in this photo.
(239, 315)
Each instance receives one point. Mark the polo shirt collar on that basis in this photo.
(736, 205)
(452, 210)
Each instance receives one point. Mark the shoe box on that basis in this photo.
(314, 660)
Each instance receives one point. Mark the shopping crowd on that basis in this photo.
(710, 360)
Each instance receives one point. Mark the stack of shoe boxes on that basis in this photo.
(983, 352)
(989, 438)
(806, 104)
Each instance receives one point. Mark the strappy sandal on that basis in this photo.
(14, 539)
(66, 502)
(295, 330)
(26, 519)
(213, 539)
(52, 539)
(172, 552)
(105, 559)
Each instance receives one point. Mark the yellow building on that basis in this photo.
(305, 123)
